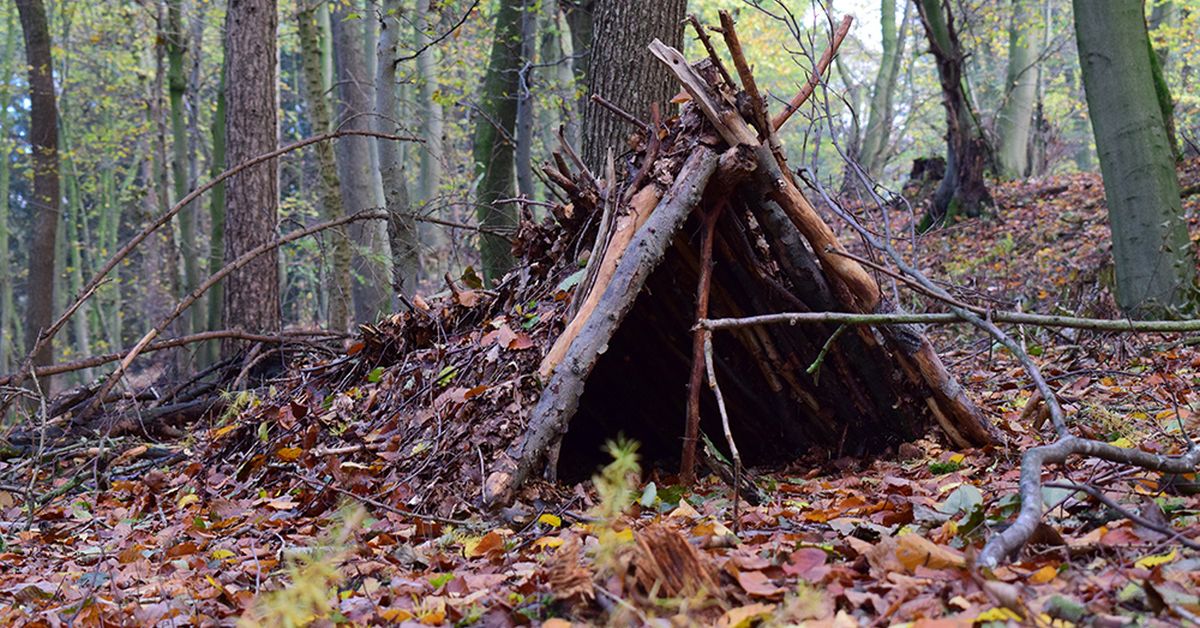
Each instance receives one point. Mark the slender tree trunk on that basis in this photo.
(879, 123)
(580, 17)
(1016, 114)
(43, 136)
(524, 148)
(493, 147)
(1154, 259)
(623, 71)
(355, 103)
(72, 218)
(189, 248)
(402, 228)
(557, 75)
(252, 292)
(963, 191)
(216, 216)
(430, 114)
(8, 318)
(329, 192)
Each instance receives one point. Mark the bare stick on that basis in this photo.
(900, 318)
(1005, 543)
(183, 305)
(712, 53)
(815, 78)
(99, 360)
(46, 335)
(757, 106)
(733, 450)
(620, 113)
(691, 431)
(1099, 496)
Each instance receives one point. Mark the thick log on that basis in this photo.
(560, 398)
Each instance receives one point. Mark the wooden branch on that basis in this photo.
(757, 105)
(708, 47)
(216, 277)
(1012, 538)
(46, 335)
(640, 209)
(814, 79)
(902, 318)
(691, 430)
(774, 182)
(170, 343)
(562, 393)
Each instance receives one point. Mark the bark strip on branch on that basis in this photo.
(561, 396)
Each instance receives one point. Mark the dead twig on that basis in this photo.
(691, 432)
(815, 78)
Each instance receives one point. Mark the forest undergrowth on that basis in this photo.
(342, 494)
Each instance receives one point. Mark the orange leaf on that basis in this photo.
(289, 454)
(915, 551)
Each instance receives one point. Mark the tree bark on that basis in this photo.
(524, 148)
(495, 127)
(338, 288)
(8, 318)
(43, 136)
(430, 112)
(216, 217)
(1015, 115)
(402, 228)
(189, 247)
(252, 292)
(623, 72)
(874, 152)
(355, 101)
(1155, 261)
(963, 191)
(580, 18)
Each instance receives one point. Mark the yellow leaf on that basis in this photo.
(548, 542)
(958, 458)
(997, 614)
(1123, 443)
(553, 521)
(289, 454)
(745, 616)
(625, 536)
(396, 615)
(222, 554)
(223, 431)
(915, 551)
(1150, 562)
(1043, 575)
(186, 500)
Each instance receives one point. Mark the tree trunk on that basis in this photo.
(879, 123)
(43, 136)
(216, 217)
(557, 75)
(524, 149)
(430, 112)
(338, 290)
(189, 247)
(963, 191)
(622, 71)
(580, 20)
(1155, 261)
(1015, 115)
(355, 102)
(402, 228)
(493, 147)
(8, 319)
(251, 292)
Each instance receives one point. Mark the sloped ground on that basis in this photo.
(398, 427)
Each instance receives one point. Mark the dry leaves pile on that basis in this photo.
(399, 427)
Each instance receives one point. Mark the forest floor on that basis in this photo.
(306, 532)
